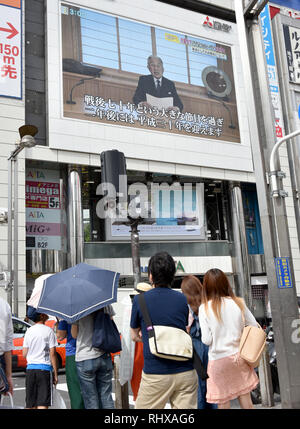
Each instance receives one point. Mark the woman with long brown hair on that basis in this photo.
(192, 289)
(222, 317)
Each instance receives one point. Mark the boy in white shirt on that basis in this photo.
(40, 353)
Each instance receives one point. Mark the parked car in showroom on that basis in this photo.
(19, 363)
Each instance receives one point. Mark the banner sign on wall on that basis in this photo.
(272, 70)
(45, 211)
(292, 44)
(283, 273)
(11, 48)
(122, 72)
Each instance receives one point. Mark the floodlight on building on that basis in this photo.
(27, 140)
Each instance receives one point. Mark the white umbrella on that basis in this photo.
(36, 292)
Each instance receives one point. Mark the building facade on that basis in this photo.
(84, 79)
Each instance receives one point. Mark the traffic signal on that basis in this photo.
(113, 172)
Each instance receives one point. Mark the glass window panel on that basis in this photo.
(104, 62)
(135, 46)
(135, 60)
(172, 54)
(110, 250)
(97, 17)
(100, 27)
(134, 68)
(105, 49)
(132, 26)
(173, 72)
(99, 39)
(200, 63)
(101, 24)
(196, 72)
(198, 60)
(19, 328)
(133, 64)
(93, 36)
(100, 47)
(176, 77)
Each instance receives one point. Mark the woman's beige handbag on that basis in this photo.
(252, 344)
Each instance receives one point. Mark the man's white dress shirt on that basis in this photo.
(6, 328)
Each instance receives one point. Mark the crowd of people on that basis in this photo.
(210, 312)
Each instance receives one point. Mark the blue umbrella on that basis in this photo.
(78, 291)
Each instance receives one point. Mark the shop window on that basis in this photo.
(212, 213)
(217, 210)
(252, 220)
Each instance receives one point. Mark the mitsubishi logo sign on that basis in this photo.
(208, 22)
(216, 25)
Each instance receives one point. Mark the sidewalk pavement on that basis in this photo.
(277, 404)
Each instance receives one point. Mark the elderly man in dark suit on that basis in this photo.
(156, 85)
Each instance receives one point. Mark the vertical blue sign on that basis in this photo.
(272, 70)
(283, 273)
(267, 35)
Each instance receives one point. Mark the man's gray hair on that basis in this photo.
(151, 57)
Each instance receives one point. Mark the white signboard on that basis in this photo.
(174, 214)
(10, 49)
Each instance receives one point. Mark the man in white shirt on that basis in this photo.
(6, 341)
(40, 353)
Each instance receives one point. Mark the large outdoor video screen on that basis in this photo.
(122, 72)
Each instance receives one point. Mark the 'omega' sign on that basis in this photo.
(216, 25)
